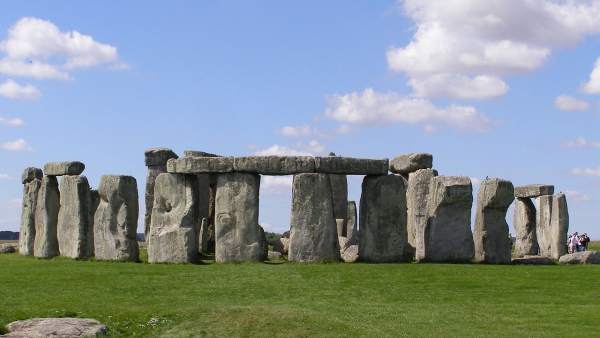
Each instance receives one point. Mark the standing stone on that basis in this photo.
(313, 235)
(526, 243)
(32, 184)
(116, 219)
(339, 191)
(30, 174)
(492, 238)
(543, 224)
(416, 202)
(203, 203)
(448, 236)
(203, 237)
(238, 236)
(559, 225)
(383, 235)
(74, 225)
(156, 161)
(46, 218)
(173, 237)
(95, 202)
(351, 223)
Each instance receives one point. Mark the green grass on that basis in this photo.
(138, 299)
(594, 246)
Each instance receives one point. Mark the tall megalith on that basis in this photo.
(526, 242)
(46, 218)
(544, 224)
(173, 236)
(313, 233)
(115, 219)
(448, 236)
(417, 196)
(74, 230)
(238, 237)
(156, 161)
(559, 225)
(32, 182)
(492, 238)
(383, 236)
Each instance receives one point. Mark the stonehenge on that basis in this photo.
(202, 202)
(492, 239)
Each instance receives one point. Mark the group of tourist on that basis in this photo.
(578, 242)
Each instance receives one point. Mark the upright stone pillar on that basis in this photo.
(116, 219)
(238, 236)
(492, 238)
(351, 222)
(32, 181)
(559, 225)
(313, 234)
(383, 236)
(46, 218)
(156, 161)
(203, 237)
(543, 224)
(416, 202)
(524, 223)
(95, 202)
(173, 237)
(448, 236)
(74, 230)
(339, 191)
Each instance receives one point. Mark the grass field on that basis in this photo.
(138, 299)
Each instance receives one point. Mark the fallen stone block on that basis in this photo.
(46, 218)
(534, 190)
(350, 253)
(524, 220)
(582, 257)
(56, 327)
(199, 165)
(351, 166)
(492, 239)
(533, 260)
(406, 164)
(74, 229)
(30, 174)
(63, 168)
(7, 248)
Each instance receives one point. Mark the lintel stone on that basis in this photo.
(64, 168)
(406, 164)
(534, 190)
(275, 165)
(351, 166)
(198, 165)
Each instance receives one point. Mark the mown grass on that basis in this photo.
(138, 299)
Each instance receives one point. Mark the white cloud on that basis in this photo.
(277, 150)
(296, 131)
(343, 129)
(13, 90)
(37, 48)
(592, 86)
(462, 48)
(371, 107)
(581, 142)
(577, 196)
(585, 172)
(6, 177)
(12, 121)
(16, 145)
(569, 103)
(276, 184)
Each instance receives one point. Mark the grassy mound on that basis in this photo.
(305, 300)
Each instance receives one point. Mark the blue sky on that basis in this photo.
(489, 94)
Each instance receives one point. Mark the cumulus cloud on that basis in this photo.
(16, 145)
(6, 177)
(577, 196)
(276, 184)
(463, 48)
(12, 121)
(277, 150)
(585, 172)
(592, 86)
(581, 142)
(371, 107)
(569, 103)
(37, 48)
(13, 90)
(296, 131)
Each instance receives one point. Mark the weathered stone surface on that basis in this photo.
(95, 202)
(238, 236)
(448, 236)
(350, 253)
(313, 235)
(533, 260)
(203, 236)
(559, 226)
(46, 218)
(417, 196)
(285, 243)
(492, 238)
(116, 219)
(274, 165)
(158, 156)
(200, 165)
(582, 257)
(339, 192)
(173, 237)
(274, 255)
(526, 243)
(198, 153)
(27, 233)
(7, 248)
(351, 166)
(156, 161)
(55, 327)
(406, 164)
(543, 224)
(351, 222)
(64, 168)
(339, 225)
(382, 214)
(534, 190)
(74, 225)
(30, 174)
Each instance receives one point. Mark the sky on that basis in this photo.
(498, 88)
